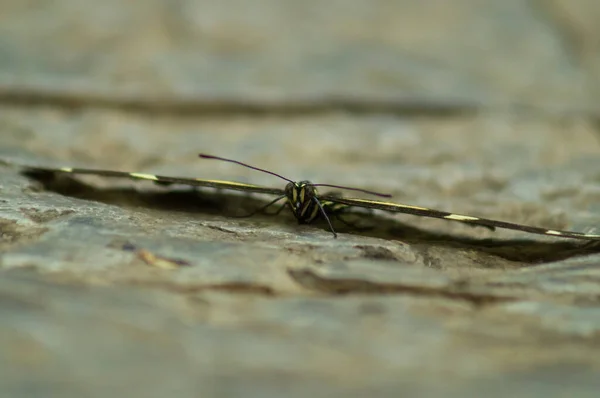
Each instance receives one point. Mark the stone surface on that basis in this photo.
(93, 302)
(264, 305)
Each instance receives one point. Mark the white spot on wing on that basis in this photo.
(458, 217)
(144, 176)
(66, 169)
(553, 232)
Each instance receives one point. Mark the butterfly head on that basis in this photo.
(301, 199)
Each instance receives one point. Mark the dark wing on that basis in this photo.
(158, 179)
(425, 212)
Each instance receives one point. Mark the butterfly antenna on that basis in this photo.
(383, 195)
(204, 156)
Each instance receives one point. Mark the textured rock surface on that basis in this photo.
(263, 307)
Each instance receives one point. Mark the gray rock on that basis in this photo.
(114, 287)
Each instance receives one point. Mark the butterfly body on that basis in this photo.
(302, 200)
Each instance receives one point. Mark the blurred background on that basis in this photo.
(471, 51)
(482, 107)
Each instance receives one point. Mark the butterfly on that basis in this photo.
(305, 201)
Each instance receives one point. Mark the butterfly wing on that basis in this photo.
(425, 212)
(158, 179)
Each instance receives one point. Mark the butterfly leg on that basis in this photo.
(278, 210)
(349, 224)
(337, 211)
(265, 207)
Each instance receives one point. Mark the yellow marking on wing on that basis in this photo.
(458, 217)
(376, 202)
(144, 176)
(66, 169)
(553, 232)
(238, 184)
(334, 206)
